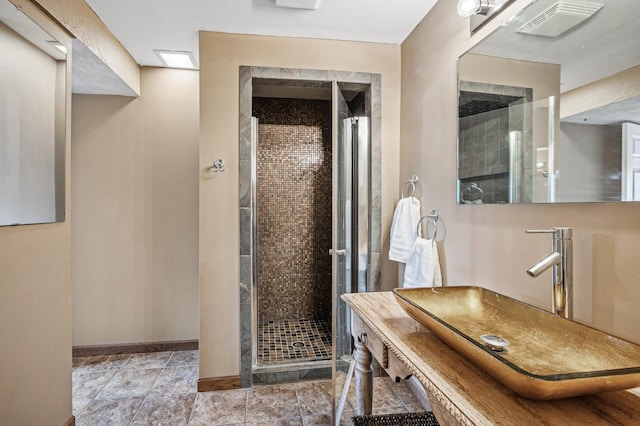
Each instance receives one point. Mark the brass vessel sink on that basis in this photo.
(536, 354)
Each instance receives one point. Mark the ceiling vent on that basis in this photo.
(299, 4)
(560, 18)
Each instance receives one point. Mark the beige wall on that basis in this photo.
(486, 245)
(543, 78)
(590, 162)
(35, 310)
(135, 202)
(221, 55)
(616, 88)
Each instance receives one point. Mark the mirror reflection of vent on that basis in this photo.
(560, 18)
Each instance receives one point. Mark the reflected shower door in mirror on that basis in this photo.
(549, 106)
(32, 121)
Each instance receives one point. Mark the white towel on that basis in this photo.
(423, 267)
(404, 229)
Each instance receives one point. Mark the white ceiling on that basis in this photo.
(144, 25)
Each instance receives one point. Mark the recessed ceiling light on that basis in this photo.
(176, 59)
(299, 4)
(61, 48)
(58, 46)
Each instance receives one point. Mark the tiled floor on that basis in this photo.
(289, 340)
(160, 389)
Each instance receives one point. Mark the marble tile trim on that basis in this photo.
(374, 95)
(499, 89)
(286, 82)
(245, 233)
(349, 77)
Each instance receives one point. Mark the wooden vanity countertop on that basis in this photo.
(468, 394)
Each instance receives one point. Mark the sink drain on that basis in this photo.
(495, 343)
(298, 344)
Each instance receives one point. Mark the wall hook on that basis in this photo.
(218, 165)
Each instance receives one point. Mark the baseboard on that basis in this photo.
(218, 383)
(71, 421)
(133, 348)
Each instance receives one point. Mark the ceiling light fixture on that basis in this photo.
(299, 4)
(58, 46)
(176, 59)
(467, 8)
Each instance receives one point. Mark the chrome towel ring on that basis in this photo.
(432, 218)
(469, 190)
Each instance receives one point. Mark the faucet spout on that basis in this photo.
(544, 264)
(561, 260)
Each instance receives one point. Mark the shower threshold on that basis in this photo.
(293, 372)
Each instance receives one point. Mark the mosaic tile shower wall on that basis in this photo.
(294, 208)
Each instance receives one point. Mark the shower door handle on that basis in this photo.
(337, 252)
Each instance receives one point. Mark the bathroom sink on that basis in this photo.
(536, 354)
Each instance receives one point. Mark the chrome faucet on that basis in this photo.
(561, 259)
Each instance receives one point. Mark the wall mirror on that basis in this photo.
(32, 121)
(549, 106)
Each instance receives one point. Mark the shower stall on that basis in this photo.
(309, 218)
(292, 218)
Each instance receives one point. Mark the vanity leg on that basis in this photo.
(364, 377)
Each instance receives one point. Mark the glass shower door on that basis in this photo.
(350, 232)
(545, 174)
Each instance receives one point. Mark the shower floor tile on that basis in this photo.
(283, 341)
